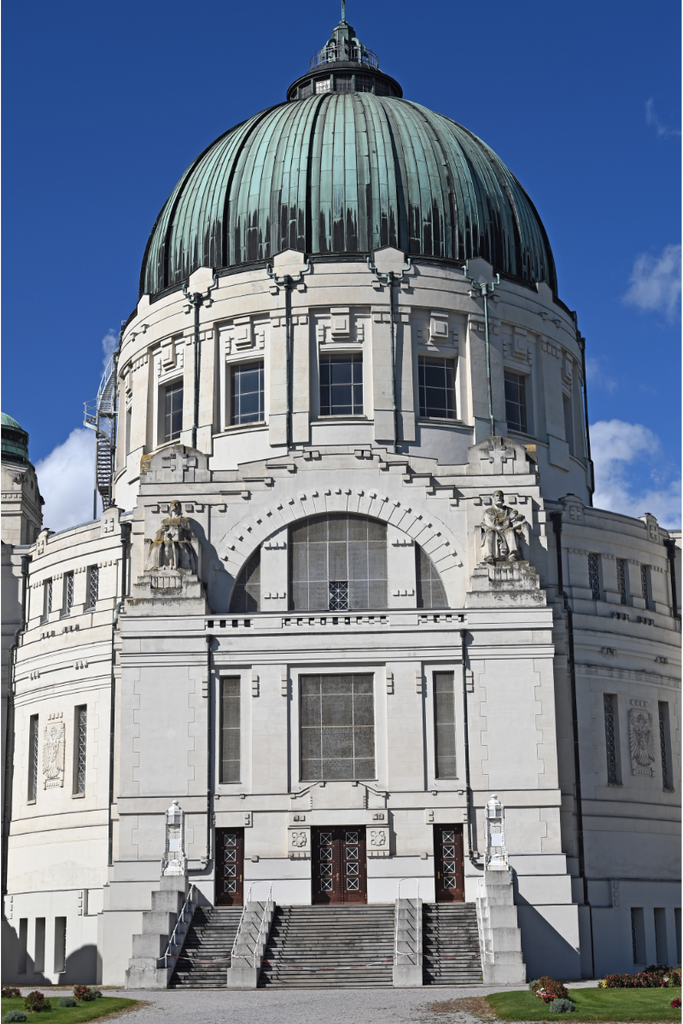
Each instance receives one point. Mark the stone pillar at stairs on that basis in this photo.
(250, 943)
(157, 927)
(499, 933)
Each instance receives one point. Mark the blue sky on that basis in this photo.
(106, 104)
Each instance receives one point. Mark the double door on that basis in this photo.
(339, 872)
(449, 863)
(229, 867)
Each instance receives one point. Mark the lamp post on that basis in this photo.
(496, 852)
(174, 857)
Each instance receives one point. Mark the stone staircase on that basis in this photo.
(451, 944)
(324, 947)
(208, 945)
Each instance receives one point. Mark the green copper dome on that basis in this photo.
(14, 441)
(346, 165)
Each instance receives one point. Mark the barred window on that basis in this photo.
(173, 410)
(80, 748)
(363, 83)
(93, 585)
(32, 789)
(246, 594)
(444, 724)
(47, 598)
(638, 935)
(665, 746)
(337, 727)
(594, 575)
(343, 83)
(230, 729)
(430, 589)
(515, 401)
(612, 739)
(338, 562)
(621, 580)
(436, 384)
(323, 85)
(68, 593)
(247, 393)
(341, 384)
(645, 585)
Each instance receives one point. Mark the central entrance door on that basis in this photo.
(339, 865)
(450, 864)
(229, 866)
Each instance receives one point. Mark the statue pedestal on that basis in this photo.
(506, 584)
(168, 590)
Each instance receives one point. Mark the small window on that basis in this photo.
(430, 589)
(343, 83)
(594, 575)
(444, 724)
(341, 385)
(39, 948)
(436, 383)
(621, 580)
(60, 945)
(322, 85)
(173, 410)
(363, 83)
(246, 391)
(612, 739)
(129, 429)
(645, 585)
(638, 935)
(32, 789)
(47, 598)
(230, 729)
(337, 727)
(80, 748)
(568, 422)
(515, 401)
(246, 595)
(665, 747)
(93, 585)
(23, 946)
(382, 89)
(305, 90)
(68, 593)
(661, 945)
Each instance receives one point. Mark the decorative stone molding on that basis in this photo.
(511, 584)
(377, 841)
(299, 842)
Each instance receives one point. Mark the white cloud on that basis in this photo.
(656, 282)
(598, 378)
(621, 485)
(110, 343)
(651, 118)
(66, 479)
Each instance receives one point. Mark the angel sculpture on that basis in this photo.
(641, 739)
(53, 754)
(172, 546)
(501, 531)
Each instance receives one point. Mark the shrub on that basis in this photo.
(36, 1002)
(13, 1015)
(675, 1004)
(654, 976)
(561, 1006)
(67, 1001)
(85, 994)
(8, 992)
(548, 989)
(96, 993)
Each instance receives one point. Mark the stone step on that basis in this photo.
(451, 944)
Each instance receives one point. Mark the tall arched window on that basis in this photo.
(338, 562)
(246, 594)
(430, 589)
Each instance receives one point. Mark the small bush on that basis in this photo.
(548, 989)
(96, 993)
(67, 1001)
(85, 994)
(561, 1006)
(8, 992)
(675, 1004)
(13, 1015)
(654, 976)
(36, 1002)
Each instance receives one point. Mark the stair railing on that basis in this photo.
(189, 907)
(238, 935)
(408, 878)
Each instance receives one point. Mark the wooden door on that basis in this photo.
(449, 864)
(339, 865)
(229, 867)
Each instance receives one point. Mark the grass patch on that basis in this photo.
(98, 1008)
(622, 1005)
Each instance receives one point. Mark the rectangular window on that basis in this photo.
(568, 422)
(129, 429)
(80, 748)
(93, 585)
(337, 727)
(612, 739)
(594, 575)
(173, 410)
(444, 724)
(515, 401)
(343, 83)
(68, 593)
(47, 598)
(661, 945)
(436, 384)
(645, 585)
(665, 746)
(341, 385)
(39, 948)
(323, 85)
(23, 945)
(60, 945)
(621, 580)
(32, 791)
(246, 390)
(230, 729)
(638, 935)
(677, 924)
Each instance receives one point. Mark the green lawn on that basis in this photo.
(70, 1014)
(592, 1004)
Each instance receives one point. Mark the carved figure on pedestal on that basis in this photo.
(501, 531)
(172, 546)
(53, 755)
(641, 741)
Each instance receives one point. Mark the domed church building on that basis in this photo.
(349, 662)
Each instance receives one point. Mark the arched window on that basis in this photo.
(246, 594)
(430, 589)
(338, 562)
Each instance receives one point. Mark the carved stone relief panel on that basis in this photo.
(53, 752)
(299, 843)
(377, 841)
(641, 742)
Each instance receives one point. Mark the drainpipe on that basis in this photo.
(390, 279)
(125, 548)
(207, 861)
(483, 291)
(287, 282)
(670, 546)
(466, 731)
(197, 299)
(9, 721)
(556, 518)
(582, 345)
